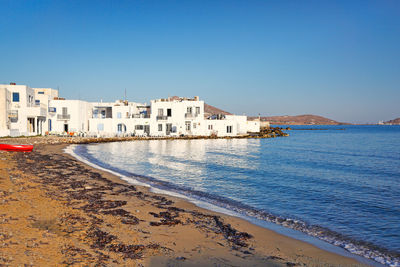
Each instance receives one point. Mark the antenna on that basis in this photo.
(125, 102)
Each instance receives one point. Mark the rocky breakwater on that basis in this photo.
(270, 132)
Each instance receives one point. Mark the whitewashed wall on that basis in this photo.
(177, 118)
(26, 100)
(5, 102)
(253, 126)
(79, 113)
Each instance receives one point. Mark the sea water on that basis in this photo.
(340, 184)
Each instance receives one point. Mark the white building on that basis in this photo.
(185, 116)
(39, 111)
(119, 118)
(69, 116)
(20, 114)
(177, 116)
(5, 103)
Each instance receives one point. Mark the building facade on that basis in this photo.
(38, 111)
(23, 115)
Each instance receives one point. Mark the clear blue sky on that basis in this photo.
(339, 59)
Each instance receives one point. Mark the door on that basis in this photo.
(168, 128)
(121, 128)
(66, 128)
(187, 126)
(147, 129)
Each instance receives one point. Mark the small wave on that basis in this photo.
(357, 247)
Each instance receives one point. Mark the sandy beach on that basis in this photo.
(58, 211)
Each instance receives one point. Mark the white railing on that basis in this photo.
(190, 115)
(63, 116)
(161, 118)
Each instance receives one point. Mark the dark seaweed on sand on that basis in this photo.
(85, 189)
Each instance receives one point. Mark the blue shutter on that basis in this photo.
(15, 97)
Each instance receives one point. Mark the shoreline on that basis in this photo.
(163, 227)
(280, 225)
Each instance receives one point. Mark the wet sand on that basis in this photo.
(56, 210)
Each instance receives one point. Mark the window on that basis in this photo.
(13, 115)
(197, 110)
(41, 93)
(160, 127)
(103, 114)
(160, 112)
(210, 127)
(229, 129)
(194, 125)
(187, 124)
(100, 127)
(138, 127)
(169, 112)
(15, 97)
(64, 111)
(189, 110)
(37, 102)
(119, 115)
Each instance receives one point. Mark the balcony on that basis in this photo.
(63, 116)
(13, 115)
(37, 110)
(98, 116)
(162, 118)
(140, 116)
(39, 105)
(190, 115)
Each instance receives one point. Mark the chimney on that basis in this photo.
(13, 84)
(196, 98)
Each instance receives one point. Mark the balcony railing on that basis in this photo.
(162, 118)
(13, 114)
(136, 116)
(190, 115)
(98, 116)
(39, 105)
(63, 116)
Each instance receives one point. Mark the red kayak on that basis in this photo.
(21, 148)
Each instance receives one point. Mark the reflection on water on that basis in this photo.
(192, 163)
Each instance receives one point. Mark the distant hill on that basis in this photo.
(307, 119)
(395, 121)
(210, 110)
(291, 120)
